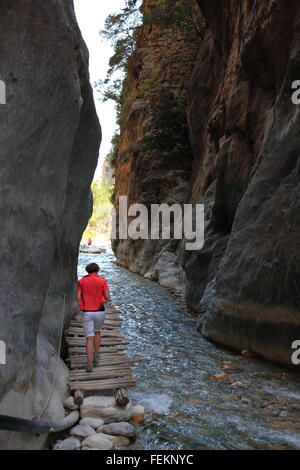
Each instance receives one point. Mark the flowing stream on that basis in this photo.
(186, 409)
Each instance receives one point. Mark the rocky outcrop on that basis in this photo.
(154, 96)
(50, 138)
(243, 130)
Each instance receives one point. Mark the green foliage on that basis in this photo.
(170, 126)
(99, 223)
(112, 156)
(183, 17)
(154, 84)
(184, 20)
(120, 31)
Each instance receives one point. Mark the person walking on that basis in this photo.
(92, 292)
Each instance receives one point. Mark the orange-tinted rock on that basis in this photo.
(246, 353)
(240, 383)
(228, 365)
(221, 378)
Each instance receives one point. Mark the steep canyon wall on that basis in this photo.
(50, 138)
(243, 164)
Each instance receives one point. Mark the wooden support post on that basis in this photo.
(78, 397)
(122, 397)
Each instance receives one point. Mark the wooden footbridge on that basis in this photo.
(114, 370)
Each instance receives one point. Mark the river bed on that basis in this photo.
(186, 409)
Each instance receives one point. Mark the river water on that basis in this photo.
(185, 408)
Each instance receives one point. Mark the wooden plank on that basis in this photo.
(107, 359)
(106, 326)
(78, 372)
(82, 365)
(101, 375)
(97, 373)
(105, 333)
(103, 384)
(109, 364)
(105, 341)
(114, 369)
(82, 357)
(80, 350)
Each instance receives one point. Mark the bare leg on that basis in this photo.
(97, 342)
(89, 348)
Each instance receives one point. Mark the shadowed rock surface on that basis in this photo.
(244, 166)
(50, 138)
(250, 137)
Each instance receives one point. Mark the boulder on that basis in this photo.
(137, 414)
(68, 444)
(118, 429)
(82, 430)
(98, 441)
(106, 409)
(221, 378)
(120, 441)
(95, 423)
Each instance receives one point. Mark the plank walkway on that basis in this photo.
(114, 370)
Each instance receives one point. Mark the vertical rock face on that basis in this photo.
(245, 134)
(145, 172)
(244, 166)
(50, 138)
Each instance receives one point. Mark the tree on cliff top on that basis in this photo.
(183, 17)
(120, 31)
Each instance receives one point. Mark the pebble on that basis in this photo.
(246, 353)
(118, 429)
(68, 444)
(95, 423)
(221, 378)
(98, 441)
(240, 383)
(121, 441)
(228, 365)
(82, 430)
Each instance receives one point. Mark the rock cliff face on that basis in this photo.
(244, 166)
(146, 172)
(240, 97)
(50, 139)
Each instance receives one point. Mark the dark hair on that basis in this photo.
(92, 268)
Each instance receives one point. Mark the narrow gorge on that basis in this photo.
(237, 153)
(205, 116)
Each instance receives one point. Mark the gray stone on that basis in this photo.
(106, 409)
(98, 441)
(95, 423)
(82, 430)
(48, 124)
(68, 444)
(118, 429)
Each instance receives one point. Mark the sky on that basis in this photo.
(91, 15)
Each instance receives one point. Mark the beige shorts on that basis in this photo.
(92, 322)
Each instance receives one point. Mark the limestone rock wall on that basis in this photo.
(50, 138)
(163, 62)
(243, 165)
(250, 152)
